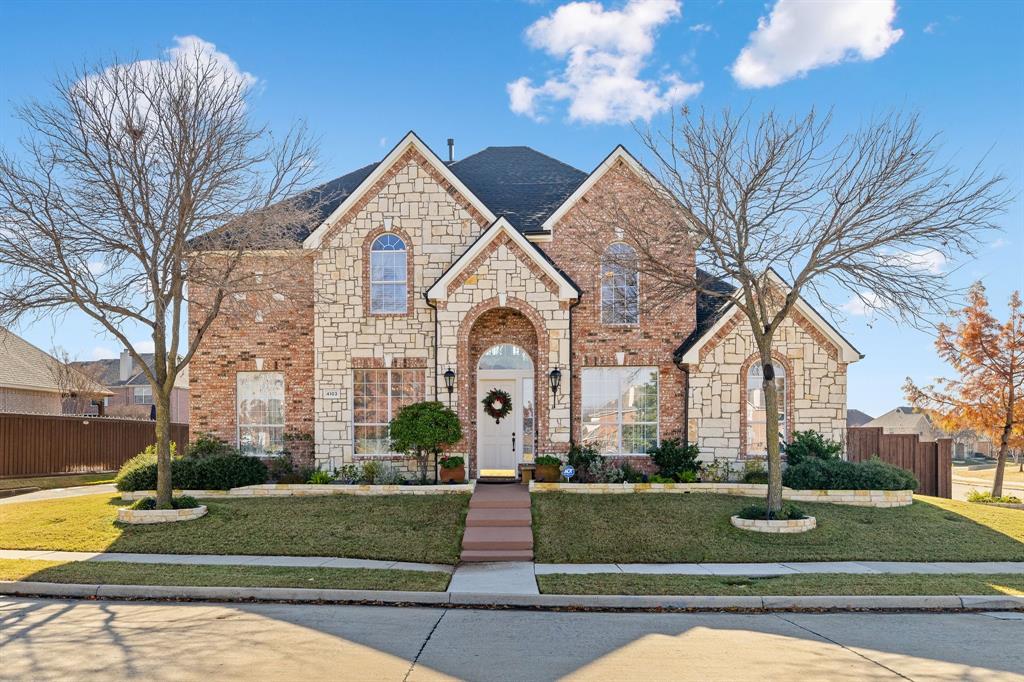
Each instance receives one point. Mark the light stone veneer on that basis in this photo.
(853, 498)
(818, 389)
(142, 516)
(310, 490)
(775, 526)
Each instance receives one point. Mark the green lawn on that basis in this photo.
(48, 482)
(424, 528)
(124, 573)
(784, 585)
(659, 528)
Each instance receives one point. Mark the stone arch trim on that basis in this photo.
(410, 269)
(467, 372)
(788, 398)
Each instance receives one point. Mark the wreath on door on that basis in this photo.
(497, 404)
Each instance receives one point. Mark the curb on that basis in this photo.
(536, 601)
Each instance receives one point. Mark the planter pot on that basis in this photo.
(456, 475)
(548, 473)
(782, 526)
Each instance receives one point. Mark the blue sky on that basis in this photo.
(362, 74)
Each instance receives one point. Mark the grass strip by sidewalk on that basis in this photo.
(785, 585)
(421, 528)
(50, 482)
(695, 528)
(125, 573)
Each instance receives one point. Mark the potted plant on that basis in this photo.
(548, 468)
(453, 469)
(425, 428)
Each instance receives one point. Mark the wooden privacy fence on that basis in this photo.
(931, 462)
(39, 444)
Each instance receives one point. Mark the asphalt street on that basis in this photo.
(83, 640)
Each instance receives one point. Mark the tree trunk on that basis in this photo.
(771, 428)
(1004, 445)
(163, 449)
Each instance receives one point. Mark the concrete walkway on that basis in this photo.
(792, 568)
(60, 493)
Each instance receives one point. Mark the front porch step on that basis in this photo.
(475, 555)
(505, 496)
(494, 516)
(498, 537)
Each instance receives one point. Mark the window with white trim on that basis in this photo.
(620, 285)
(142, 395)
(260, 407)
(620, 409)
(757, 441)
(378, 395)
(389, 286)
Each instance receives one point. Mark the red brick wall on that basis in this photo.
(283, 340)
(578, 240)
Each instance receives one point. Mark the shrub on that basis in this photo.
(758, 512)
(715, 471)
(423, 428)
(811, 445)
(374, 472)
(987, 498)
(207, 445)
(672, 458)
(320, 477)
(587, 462)
(349, 473)
(137, 467)
(452, 462)
(754, 471)
(658, 478)
(181, 502)
(687, 477)
(280, 466)
(210, 473)
(838, 474)
(631, 474)
(547, 460)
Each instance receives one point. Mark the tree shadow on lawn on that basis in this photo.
(695, 528)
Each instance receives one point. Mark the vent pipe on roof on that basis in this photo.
(451, 150)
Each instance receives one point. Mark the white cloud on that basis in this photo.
(999, 243)
(929, 260)
(383, 142)
(863, 304)
(143, 345)
(701, 28)
(97, 267)
(801, 35)
(605, 52)
(102, 352)
(931, 26)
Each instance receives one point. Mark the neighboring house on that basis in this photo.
(480, 271)
(130, 392)
(857, 418)
(34, 382)
(906, 420)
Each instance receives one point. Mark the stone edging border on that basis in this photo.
(775, 525)
(307, 490)
(143, 516)
(542, 601)
(855, 498)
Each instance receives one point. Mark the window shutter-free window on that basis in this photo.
(377, 396)
(620, 409)
(260, 403)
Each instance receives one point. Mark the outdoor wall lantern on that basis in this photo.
(555, 379)
(449, 383)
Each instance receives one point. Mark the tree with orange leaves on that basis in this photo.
(989, 394)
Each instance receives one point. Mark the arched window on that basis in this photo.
(757, 443)
(620, 285)
(389, 286)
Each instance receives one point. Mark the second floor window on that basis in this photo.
(389, 284)
(620, 285)
(143, 395)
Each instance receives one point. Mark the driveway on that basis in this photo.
(54, 639)
(59, 493)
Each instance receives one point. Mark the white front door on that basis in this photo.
(497, 444)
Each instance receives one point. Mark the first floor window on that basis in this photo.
(378, 395)
(143, 395)
(757, 441)
(620, 409)
(260, 400)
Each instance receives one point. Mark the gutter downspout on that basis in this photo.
(572, 352)
(436, 330)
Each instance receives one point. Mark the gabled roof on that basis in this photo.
(567, 289)
(689, 351)
(25, 367)
(410, 140)
(519, 183)
(107, 371)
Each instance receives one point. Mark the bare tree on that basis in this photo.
(121, 174)
(77, 389)
(781, 210)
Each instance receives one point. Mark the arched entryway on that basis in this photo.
(502, 352)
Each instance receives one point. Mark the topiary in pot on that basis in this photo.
(453, 469)
(423, 428)
(548, 468)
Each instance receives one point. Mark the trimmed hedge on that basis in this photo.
(839, 474)
(208, 473)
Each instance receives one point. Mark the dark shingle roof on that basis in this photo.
(710, 307)
(108, 371)
(518, 183)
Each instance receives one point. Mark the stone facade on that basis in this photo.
(815, 386)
